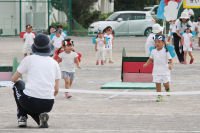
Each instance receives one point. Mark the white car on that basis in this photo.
(126, 23)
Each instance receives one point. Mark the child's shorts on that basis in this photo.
(27, 48)
(161, 78)
(67, 75)
(187, 48)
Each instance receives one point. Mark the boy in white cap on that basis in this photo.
(36, 97)
(150, 41)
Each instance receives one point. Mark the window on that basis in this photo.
(125, 17)
(138, 16)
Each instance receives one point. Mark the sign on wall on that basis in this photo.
(191, 3)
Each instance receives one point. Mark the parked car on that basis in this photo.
(153, 9)
(126, 23)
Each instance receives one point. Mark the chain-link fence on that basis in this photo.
(16, 14)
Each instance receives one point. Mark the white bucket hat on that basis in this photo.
(184, 15)
(157, 28)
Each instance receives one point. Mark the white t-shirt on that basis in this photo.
(187, 37)
(100, 43)
(63, 34)
(173, 28)
(149, 42)
(198, 26)
(182, 27)
(67, 63)
(42, 71)
(57, 41)
(29, 38)
(189, 11)
(110, 41)
(160, 60)
(194, 26)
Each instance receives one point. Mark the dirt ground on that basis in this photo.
(91, 113)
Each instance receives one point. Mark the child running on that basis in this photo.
(150, 42)
(57, 40)
(187, 45)
(99, 47)
(109, 45)
(162, 64)
(28, 39)
(67, 60)
(63, 33)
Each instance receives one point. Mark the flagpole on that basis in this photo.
(180, 4)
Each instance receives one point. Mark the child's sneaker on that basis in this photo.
(102, 63)
(44, 117)
(22, 121)
(159, 99)
(68, 95)
(97, 63)
(191, 60)
(110, 61)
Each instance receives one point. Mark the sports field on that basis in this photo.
(93, 113)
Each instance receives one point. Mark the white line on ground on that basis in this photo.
(101, 130)
(115, 95)
(131, 93)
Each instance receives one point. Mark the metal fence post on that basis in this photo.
(70, 17)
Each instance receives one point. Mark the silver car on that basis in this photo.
(126, 23)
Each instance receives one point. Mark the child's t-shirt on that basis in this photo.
(194, 26)
(100, 43)
(67, 63)
(187, 37)
(198, 26)
(110, 41)
(29, 38)
(57, 41)
(63, 34)
(160, 60)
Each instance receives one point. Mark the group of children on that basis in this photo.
(187, 37)
(183, 29)
(64, 52)
(104, 46)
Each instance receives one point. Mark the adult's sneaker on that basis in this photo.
(44, 117)
(22, 121)
(168, 90)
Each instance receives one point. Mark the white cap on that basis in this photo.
(157, 28)
(184, 15)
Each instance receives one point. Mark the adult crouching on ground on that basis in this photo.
(181, 24)
(36, 97)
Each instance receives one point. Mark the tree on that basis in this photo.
(121, 5)
(80, 9)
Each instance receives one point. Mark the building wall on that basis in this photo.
(33, 13)
(105, 6)
(9, 17)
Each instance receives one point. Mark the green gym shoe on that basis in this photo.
(168, 90)
(159, 99)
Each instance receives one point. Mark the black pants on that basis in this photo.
(178, 49)
(30, 105)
